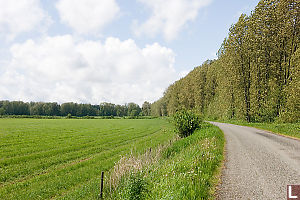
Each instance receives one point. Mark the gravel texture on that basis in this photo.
(258, 164)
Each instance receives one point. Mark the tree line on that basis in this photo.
(256, 75)
(74, 109)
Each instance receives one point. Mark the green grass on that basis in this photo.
(289, 129)
(62, 159)
(188, 169)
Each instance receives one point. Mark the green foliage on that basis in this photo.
(186, 122)
(291, 111)
(133, 113)
(256, 75)
(88, 117)
(146, 108)
(31, 116)
(134, 187)
(133, 109)
(2, 111)
(77, 110)
(69, 116)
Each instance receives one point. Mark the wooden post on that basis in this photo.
(110, 184)
(101, 186)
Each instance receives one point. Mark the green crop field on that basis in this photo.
(63, 158)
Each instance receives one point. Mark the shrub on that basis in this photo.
(134, 187)
(69, 116)
(108, 117)
(88, 117)
(186, 121)
(137, 186)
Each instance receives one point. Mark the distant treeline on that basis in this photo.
(256, 76)
(74, 109)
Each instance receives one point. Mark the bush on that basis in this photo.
(30, 116)
(88, 117)
(69, 116)
(186, 121)
(134, 187)
(108, 117)
(137, 187)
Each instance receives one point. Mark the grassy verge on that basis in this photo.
(186, 169)
(289, 129)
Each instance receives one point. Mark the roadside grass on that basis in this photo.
(188, 168)
(63, 159)
(289, 129)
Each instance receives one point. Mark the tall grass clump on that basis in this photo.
(133, 187)
(186, 122)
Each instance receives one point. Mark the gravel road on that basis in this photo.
(258, 164)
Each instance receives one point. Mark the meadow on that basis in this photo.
(63, 158)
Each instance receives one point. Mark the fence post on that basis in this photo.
(110, 184)
(101, 185)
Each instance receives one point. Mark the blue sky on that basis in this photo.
(91, 51)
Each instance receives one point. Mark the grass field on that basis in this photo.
(62, 159)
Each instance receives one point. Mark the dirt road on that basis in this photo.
(258, 164)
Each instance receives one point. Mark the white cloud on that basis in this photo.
(169, 16)
(87, 16)
(19, 16)
(65, 69)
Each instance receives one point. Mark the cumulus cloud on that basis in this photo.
(169, 16)
(19, 16)
(63, 69)
(88, 16)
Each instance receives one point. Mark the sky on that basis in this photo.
(93, 51)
